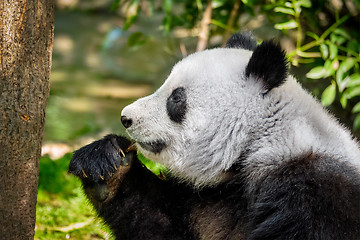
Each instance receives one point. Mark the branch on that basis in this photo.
(317, 42)
(204, 28)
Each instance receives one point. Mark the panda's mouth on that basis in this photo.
(154, 146)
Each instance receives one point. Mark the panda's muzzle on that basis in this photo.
(155, 146)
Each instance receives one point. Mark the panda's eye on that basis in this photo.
(176, 105)
(176, 97)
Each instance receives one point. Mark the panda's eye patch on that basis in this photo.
(176, 105)
(176, 98)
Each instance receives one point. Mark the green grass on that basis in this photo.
(63, 211)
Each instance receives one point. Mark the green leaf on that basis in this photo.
(136, 39)
(333, 50)
(329, 70)
(342, 32)
(347, 64)
(339, 76)
(356, 124)
(343, 100)
(288, 4)
(324, 51)
(352, 92)
(286, 25)
(343, 84)
(328, 96)
(344, 66)
(288, 11)
(131, 14)
(356, 108)
(305, 3)
(217, 3)
(157, 168)
(338, 40)
(129, 21)
(353, 80)
(316, 72)
(222, 25)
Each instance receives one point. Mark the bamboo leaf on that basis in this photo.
(158, 169)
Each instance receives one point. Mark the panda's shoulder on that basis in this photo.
(332, 175)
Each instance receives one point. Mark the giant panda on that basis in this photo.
(250, 155)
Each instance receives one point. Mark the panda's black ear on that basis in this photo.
(268, 63)
(243, 40)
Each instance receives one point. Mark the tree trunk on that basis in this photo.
(26, 31)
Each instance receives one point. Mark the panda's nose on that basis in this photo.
(127, 122)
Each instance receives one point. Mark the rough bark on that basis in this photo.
(26, 31)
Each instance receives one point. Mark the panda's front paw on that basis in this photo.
(98, 161)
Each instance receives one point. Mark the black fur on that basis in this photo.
(268, 64)
(176, 105)
(313, 197)
(243, 40)
(99, 160)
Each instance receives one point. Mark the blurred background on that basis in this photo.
(108, 53)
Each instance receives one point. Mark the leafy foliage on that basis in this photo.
(326, 36)
(338, 50)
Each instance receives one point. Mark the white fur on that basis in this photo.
(228, 116)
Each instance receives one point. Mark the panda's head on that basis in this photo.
(201, 120)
